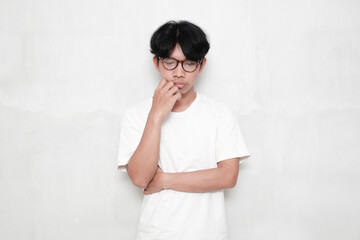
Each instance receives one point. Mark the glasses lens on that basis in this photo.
(169, 63)
(189, 66)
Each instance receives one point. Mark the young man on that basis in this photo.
(181, 147)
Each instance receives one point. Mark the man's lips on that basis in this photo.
(179, 84)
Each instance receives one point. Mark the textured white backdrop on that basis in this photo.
(288, 69)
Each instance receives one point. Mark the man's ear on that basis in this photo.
(202, 64)
(156, 63)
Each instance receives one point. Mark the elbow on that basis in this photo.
(232, 184)
(139, 182)
(231, 181)
(137, 178)
(229, 172)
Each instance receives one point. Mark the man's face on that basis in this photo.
(183, 80)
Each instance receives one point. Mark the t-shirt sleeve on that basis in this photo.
(130, 135)
(229, 139)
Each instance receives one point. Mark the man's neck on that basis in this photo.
(185, 102)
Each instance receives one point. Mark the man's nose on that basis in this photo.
(179, 71)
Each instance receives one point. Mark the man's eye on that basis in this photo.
(190, 63)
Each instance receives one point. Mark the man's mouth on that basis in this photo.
(179, 85)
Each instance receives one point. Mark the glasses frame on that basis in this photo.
(182, 64)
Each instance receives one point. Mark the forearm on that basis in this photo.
(143, 164)
(200, 181)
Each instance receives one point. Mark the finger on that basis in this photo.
(178, 96)
(160, 86)
(147, 192)
(162, 83)
(173, 90)
(168, 85)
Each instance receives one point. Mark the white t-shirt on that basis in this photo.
(197, 138)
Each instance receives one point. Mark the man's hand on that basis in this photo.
(206, 180)
(165, 96)
(156, 184)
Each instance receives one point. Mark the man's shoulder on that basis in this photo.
(140, 108)
(214, 104)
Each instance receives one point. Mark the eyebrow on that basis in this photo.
(181, 60)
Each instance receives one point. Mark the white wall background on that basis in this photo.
(288, 69)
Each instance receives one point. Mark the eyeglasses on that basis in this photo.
(187, 65)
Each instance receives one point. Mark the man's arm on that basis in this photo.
(224, 176)
(143, 163)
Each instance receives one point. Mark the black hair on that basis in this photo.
(190, 37)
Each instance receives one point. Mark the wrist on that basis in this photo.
(166, 180)
(154, 118)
